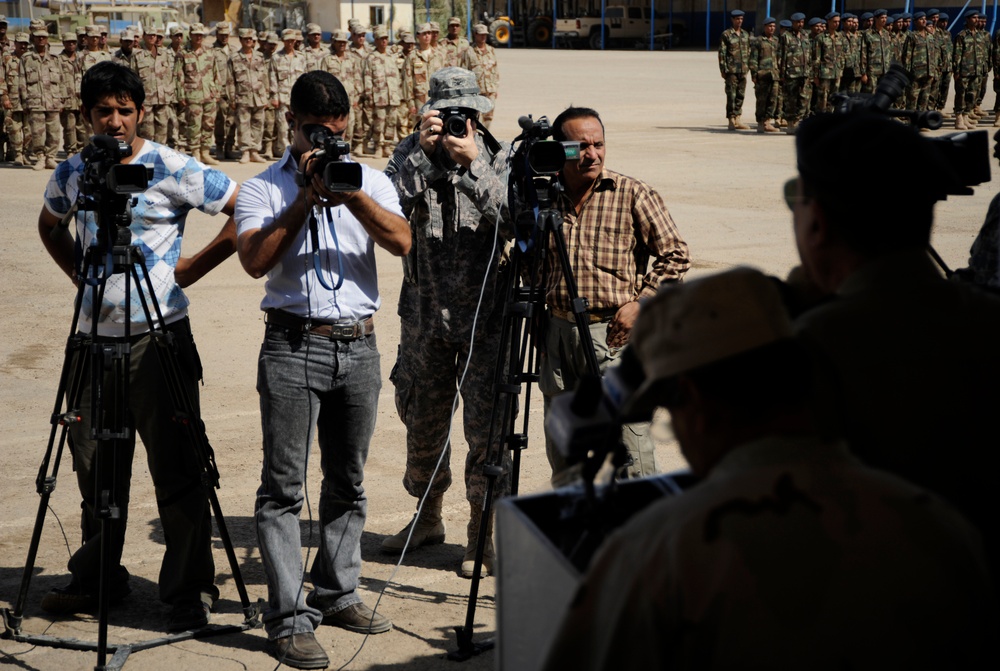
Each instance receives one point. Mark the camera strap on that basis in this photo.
(491, 142)
(317, 264)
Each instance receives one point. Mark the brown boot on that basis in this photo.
(960, 122)
(245, 158)
(19, 159)
(207, 159)
(387, 151)
(770, 127)
(738, 122)
(732, 123)
(39, 164)
(428, 529)
(256, 158)
(50, 163)
(489, 554)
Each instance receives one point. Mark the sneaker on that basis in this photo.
(188, 615)
(358, 618)
(299, 651)
(75, 598)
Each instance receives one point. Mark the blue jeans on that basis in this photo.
(308, 381)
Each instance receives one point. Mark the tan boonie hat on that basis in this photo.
(424, 28)
(455, 87)
(454, 21)
(380, 32)
(314, 29)
(41, 32)
(480, 29)
(69, 37)
(247, 32)
(692, 324)
(341, 36)
(223, 28)
(21, 37)
(288, 34)
(197, 29)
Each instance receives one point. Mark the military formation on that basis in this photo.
(797, 67)
(218, 101)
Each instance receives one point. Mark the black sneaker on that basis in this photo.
(188, 615)
(77, 598)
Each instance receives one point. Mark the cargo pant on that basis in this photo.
(280, 129)
(383, 129)
(74, 135)
(425, 377)
(966, 90)
(736, 87)
(45, 134)
(823, 91)
(176, 137)
(201, 125)
(17, 135)
(251, 125)
(942, 93)
(766, 93)
(155, 123)
(797, 93)
(267, 134)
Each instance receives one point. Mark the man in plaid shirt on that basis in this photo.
(614, 226)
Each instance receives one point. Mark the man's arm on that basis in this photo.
(59, 247)
(191, 269)
(260, 249)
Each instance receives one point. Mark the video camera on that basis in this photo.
(330, 160)
(107, 187)
(966, 153)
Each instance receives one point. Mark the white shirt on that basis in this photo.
(346, 249)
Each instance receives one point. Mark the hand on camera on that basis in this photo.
(462, 150)
(316, 194)
(430, 131)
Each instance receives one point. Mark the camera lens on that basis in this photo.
(455, 125)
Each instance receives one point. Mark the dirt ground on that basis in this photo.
(664, 114)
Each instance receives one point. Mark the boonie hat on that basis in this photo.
(455, 87)
(341, 36)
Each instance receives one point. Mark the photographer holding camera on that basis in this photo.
(452, 183)
(318, 365)
(112, 98)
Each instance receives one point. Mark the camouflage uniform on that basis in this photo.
(196, 72)
(850, 79)
(157, 74)
(921, 58)
(225, 118)
(403, 122)
(14, 119)
(343, 70)
(967, 70)
(382, 96)
(828, 59)
(249, 87)
(454, 51)
(734, 57)
(763, 67)
(284, 72)
(314, 57)
(362, 122)
(483, 62)
(74, 132)
(947, 50)
(796, 68)
(985, 65)
(419, 68)
(876, 55)
(790, 554)
(176, 137)
(452, 218)
(42, 92)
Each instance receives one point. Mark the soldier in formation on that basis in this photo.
(828, 63)
(42, 93)
(481, 59)
(455, 44)
(343, 67)
(248, 81)
(734, 59)
(13, 101)
(285, 68)
(314, 51)
(764, 74)
(197, 77)
(74, 133)
(382, 94)
(795, 67)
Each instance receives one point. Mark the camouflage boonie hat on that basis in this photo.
(455, 87)
(341, 36)
(198, 29)
(21, 37)
(288, 34)
(435, 28)
(424, 28)
(480, 29)
(247, 32)
(314, 29)
(380, 32)
(69, 37)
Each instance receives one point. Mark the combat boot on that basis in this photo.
(996, 120)
(387, 150)
(39, 164)
(489, 554)
(257, 158)
(231, 154)
(358, 149)
(760, 127)
(19, 159)
(960, 122)
(732, 123)
(790, 128)
(428, 529)
(370, 148)
(738, 121)
(770, 127)
(207, 159)
(50, 163)
(245, 158)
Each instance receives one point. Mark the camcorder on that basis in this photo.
(966, 153)
(330, 159)
(107, 187)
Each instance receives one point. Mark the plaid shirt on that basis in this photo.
(620, 226)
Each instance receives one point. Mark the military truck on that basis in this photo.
(623, 26)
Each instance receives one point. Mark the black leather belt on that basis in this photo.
(341, 330)
(593, 316)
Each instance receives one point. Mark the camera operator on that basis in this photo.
(615, 226)
(319, 364)
(454, 191)
(112, 100)
(913, 358)
(790, 553)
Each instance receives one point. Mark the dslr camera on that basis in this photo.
(455, 120)
(340, 175)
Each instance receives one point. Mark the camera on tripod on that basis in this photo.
(330, 159)
(104, 172)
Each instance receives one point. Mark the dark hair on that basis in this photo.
(110, 78)
(319, 93)
(569, 114)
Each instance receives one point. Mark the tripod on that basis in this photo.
(109, 365)
(517, 365)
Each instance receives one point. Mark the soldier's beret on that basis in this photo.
(736, 13)
(848, 15)
(798, 16)
(197, 29)
(933, 12)
(769, 20)
(223, 28)
(880, 12)
(919, 15)
(21, 37)
(905, 16)
(341, 36)
(785, 23)
(893, 18)
(69, 37)
(943, 16)
(435, 28)
(93, 31)
(831, 15)
(314, 29)
(380, 32)
(454, 21)
(480, 29)
(407, 38)
(247, 32)
(41, 32)
(424, 28)
(867, 15)
(815, 21)
(288, 34)
(971, 14)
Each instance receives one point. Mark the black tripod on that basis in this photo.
(109, 360)
(517, 365)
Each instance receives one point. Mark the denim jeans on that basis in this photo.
(307, 381)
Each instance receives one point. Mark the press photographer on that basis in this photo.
(112, 100)
(451, 177)
(319, 363)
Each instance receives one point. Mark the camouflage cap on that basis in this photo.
(703, 321)
(81, 31)
(36, 24)
(3, 19)
(197, 29)
(21, 37)
(159, 31)
(380, 32)
(176, 30)
(288, 34)
(454, 21)
(407, 38)
(39, 32)
(455, 87)
(480, 29)
(424, 28)
(223, 28)
(314, 29)
(435, 28)
(356, 28)
(69, 37)
(298, 34)
(247, 32)
(127, 35)
(273, 38)
(341, 36)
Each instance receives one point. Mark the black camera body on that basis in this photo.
(329, 159)
(455, 120)
(107, 187)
